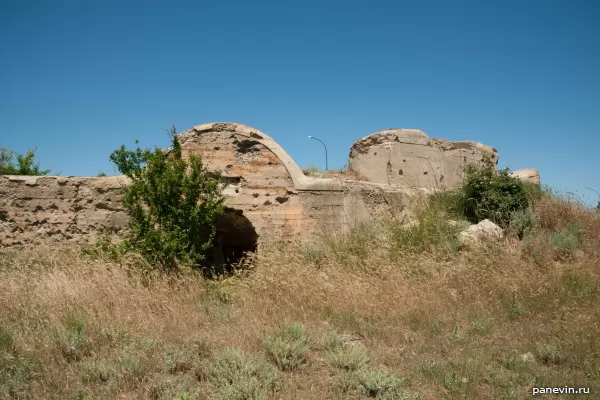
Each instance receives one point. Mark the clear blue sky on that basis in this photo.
(78, 78)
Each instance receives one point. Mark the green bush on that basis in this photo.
(25, 165)
(493, 195)
(172, 204)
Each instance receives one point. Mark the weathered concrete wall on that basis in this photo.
(36, 210)
(266, 186)
(409, 158)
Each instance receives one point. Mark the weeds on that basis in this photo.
(513, 307)
(178, 359)
(104, 248)
(481, 323)
(383, 385)
(549, 355)
(15, 369)
(432, 231)
(347, 357)
(449, 380)
(237, 376)
(288, 347)
(71, 338)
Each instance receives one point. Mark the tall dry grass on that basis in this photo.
(383, 312)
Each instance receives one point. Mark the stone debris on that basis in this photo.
(484, 230)
(527, 357)
(530, 175)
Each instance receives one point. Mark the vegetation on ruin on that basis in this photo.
(12, 163)
(495, 195)
(172, 203)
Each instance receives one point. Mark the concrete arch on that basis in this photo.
(300, 181)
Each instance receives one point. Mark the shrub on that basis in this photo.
(521, 222)
(237, 376)
(25, 165)
(383, 385)
(493, 195)
(178, 359)
(172, 204)
(104, 248)
(288, 347)
(348, 358)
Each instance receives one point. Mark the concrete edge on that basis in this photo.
(301, 181)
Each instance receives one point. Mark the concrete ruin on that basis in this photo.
(268, 197)
(409, 158)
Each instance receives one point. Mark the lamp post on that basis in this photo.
(595, 191)
(312, 137)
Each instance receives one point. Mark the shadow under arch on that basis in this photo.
(235, 238)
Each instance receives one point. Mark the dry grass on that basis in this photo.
(375, 318)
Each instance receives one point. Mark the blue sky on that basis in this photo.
(78, 78)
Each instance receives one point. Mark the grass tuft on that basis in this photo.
(288, 347)
(348, 357)
(239, 377)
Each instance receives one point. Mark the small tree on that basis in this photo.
(172, 204)
(25, 165)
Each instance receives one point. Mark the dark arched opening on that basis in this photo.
(235, 238)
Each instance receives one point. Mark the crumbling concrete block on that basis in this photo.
(484, 230)
(409, 158)
(530, 175)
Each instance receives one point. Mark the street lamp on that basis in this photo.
(595, 191)
(312, 137)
